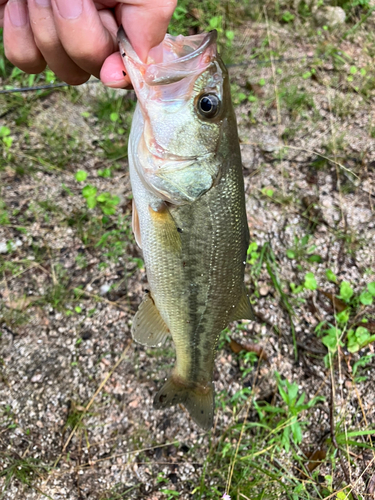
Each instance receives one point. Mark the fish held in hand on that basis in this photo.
(188, 210)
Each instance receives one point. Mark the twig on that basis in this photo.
(102, 299)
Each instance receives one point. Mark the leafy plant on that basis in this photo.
(289, 424)
(303, 250)
(106, 201)
(7, 140)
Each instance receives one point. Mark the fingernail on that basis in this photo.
(43, 3)
(69, 9)
(17, 13)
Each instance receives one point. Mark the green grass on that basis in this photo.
(22, 470)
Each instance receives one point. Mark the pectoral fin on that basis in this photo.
(166, 227)
(148, 327)
(243, 309)
(135, 225)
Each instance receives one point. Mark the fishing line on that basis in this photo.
(90, 82)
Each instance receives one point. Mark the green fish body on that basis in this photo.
(189, 213)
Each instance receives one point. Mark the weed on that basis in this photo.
(23, 470)
(342, 106)
(75, 416)
(6, 140)
(118, 492)
(4, 217)
(302, 249)
(349, 307)
(296, 101)
(12, 318)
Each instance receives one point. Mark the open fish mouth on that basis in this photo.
(180, 56)
(176, 151)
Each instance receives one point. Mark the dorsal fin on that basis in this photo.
(148, 326)
(243, 310)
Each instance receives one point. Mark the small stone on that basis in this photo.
(330, 16)
(105, 288)
(9, 246)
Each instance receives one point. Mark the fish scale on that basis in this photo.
(194, 235)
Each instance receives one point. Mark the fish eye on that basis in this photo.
(208, 105)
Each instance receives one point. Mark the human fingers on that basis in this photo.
(145, 22)
(87, 35)
(47, 40)
(113, 72)
(19, 44)
(2, 8)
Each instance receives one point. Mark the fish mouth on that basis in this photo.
(181, 57)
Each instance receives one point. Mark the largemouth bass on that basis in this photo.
(188, 210)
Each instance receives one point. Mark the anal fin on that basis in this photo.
(148, 326)
(199, 401)
(243, 310)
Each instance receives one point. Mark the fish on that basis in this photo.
(189, 215)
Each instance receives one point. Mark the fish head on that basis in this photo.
(183, 94)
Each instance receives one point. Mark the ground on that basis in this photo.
(295, 393)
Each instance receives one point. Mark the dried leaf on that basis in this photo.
(370, 490)
(370, 327)
(196, 13)
(257, 89)
(22, 303)
(248, 347)
(338, 304)
(315, 459)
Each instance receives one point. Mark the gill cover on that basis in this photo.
(180, 96)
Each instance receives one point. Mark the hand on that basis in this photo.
(77, 38)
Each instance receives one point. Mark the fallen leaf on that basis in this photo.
(248, 347)
(257, 89)
(370, 490)
(338, 304)
(195, 13)
(315, 459)
(22, 303)
(370, 326)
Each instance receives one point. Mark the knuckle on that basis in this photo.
(167, 9)
(44, 41)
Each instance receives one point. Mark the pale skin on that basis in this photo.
(77, 38)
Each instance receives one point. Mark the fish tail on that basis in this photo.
(198, 400)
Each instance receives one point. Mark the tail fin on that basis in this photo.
(199, 401)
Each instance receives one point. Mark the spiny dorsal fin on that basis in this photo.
(243, 309)
(135, 225)
(148, 326)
